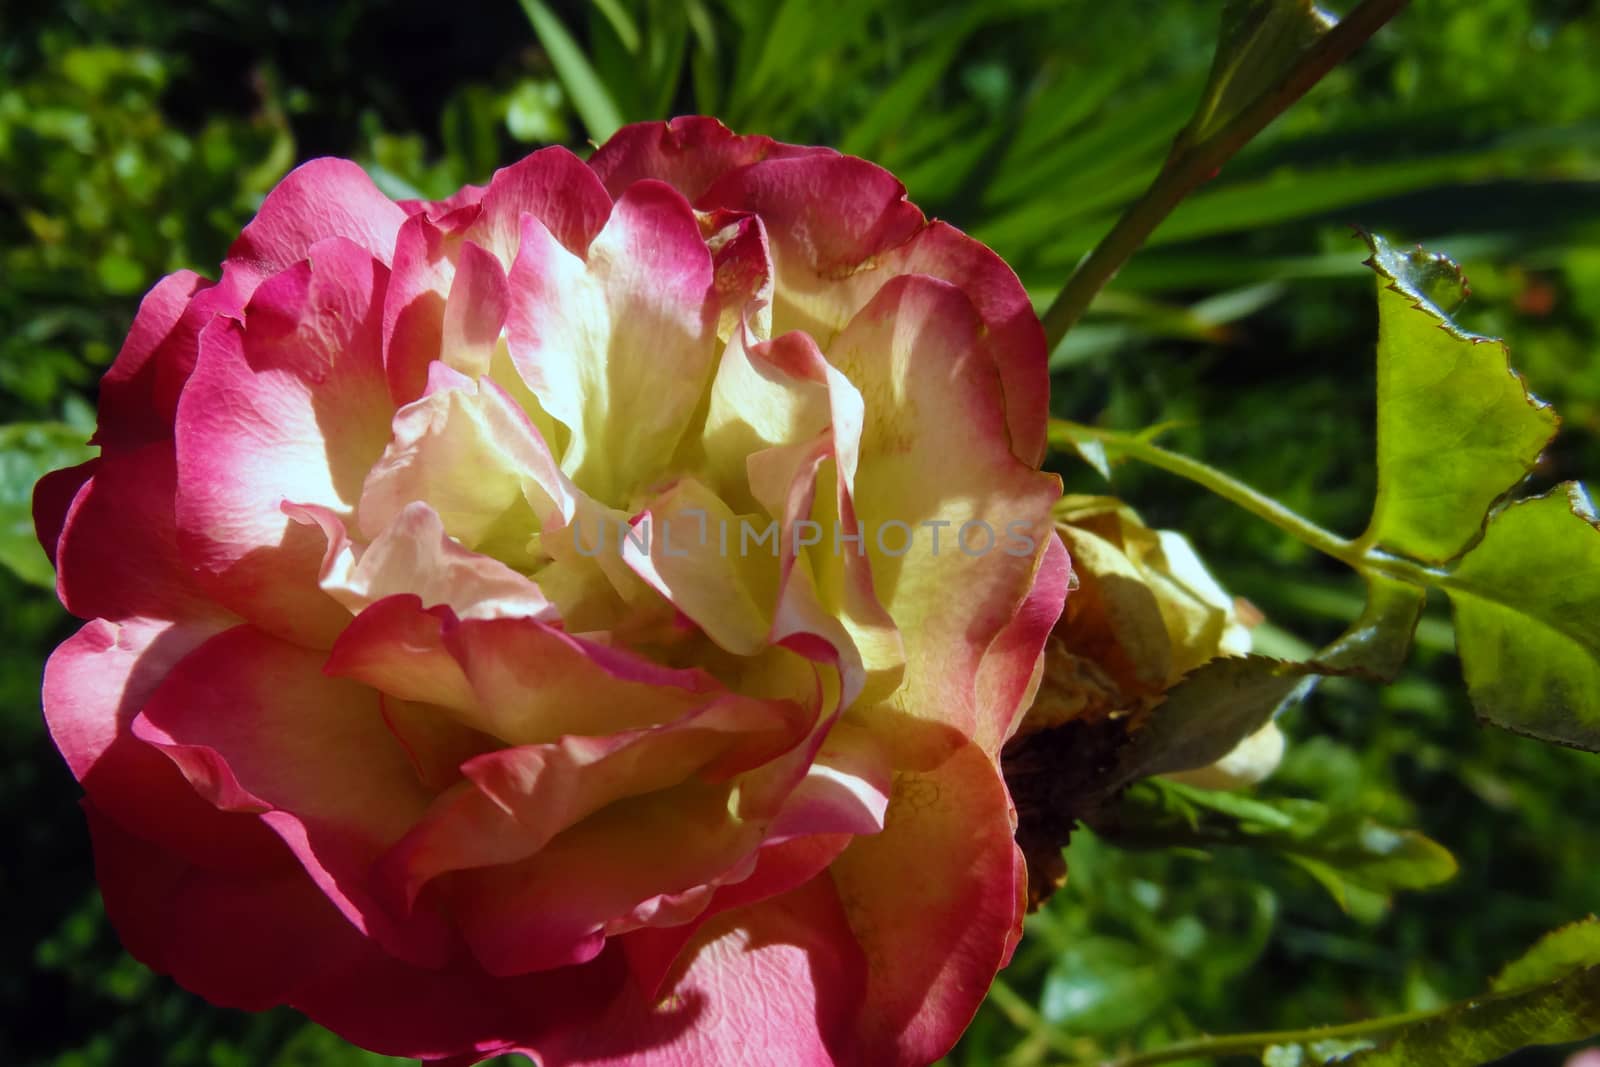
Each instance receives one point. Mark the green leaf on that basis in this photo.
(1208, 713)
(1377, 643)
(1260, 41)
(1555, 955)
(1102, 985)
(1360, 861)
(594, 104)
(1527, 610)
(1456, 427)
(28, 451)
(1486, 1028)
(621, 21)
(1224, 701)
(897, 105)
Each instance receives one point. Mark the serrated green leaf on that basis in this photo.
(1377, 643)
(1208, 713)
(1527, 611)
(1555, 955)
(1486, 1028)
(588, 94)
(1259, 43)
(1226, 700)
(29, 451)
(1358, 860)
(1456, 426)
(1102, 985)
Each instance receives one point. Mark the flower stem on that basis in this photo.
(1191, 165)
(1358, 554)
(1244, 1044)
(1229, 488)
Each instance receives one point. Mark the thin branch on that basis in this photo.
(1191, 166)
(1245, 1044)
(1355, 554)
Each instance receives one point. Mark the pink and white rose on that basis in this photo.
(427, 686)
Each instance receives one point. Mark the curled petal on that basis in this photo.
(943, 501)
(52, 499)
(775, 983)
(618, 348)
(414, 554)
(257, 727)
(689, 153)
(423, 270)
(516, 800)
(139, 394)
(556, 907)
(317, 200)
(1009, 675)
(118, 554)
(95, 683)
(469, 426)
(935, 902)
(474, 312)
(292, 407)
(521, 680)
(553, 186)
(197, 923)
(827, 215)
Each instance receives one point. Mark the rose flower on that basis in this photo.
(580, 617)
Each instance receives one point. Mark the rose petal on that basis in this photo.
(689, 153)
(118, 554)
(317, 200)
(518, 799)
(293, 406)
(413, 304)
(618, 348)
(518, 679)
(551, 185)
(414, 554)
(935, 902)
(934, 450)
(139, 394)
(95, 683)
(555, 908)
(198, 925)
(473, 426)
(1013, 665)
(256, 726)
(826, 215)
(52, 499)
(474, 312)
(773, 984)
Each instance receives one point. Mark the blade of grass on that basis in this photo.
(599, 112)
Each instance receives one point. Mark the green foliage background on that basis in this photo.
(137, 136)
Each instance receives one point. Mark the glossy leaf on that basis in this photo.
(1208, 713)
(1357, 859)
(1527, 609)
(1486, 1028)
(1456, 427)
(1555, 955)
(1377, 643)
